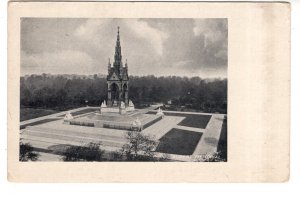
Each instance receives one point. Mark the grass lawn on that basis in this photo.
(30, 113)
(191, 120)
(39, 122)
(198, 121)
(222, 145)
(178, 141)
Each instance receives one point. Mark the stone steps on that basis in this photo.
(66, 140)
(87, 134)
(73, 138)
(80, 129)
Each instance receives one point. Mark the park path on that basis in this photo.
(210, 138)
(48, 157)
(189, 128)
(185, 112)
(151, 108)
(160, 128)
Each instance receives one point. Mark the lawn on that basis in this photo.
(30, 113)
(178, 141)
(197, 121)
(191, 120)
(222, 145)
(39, 122)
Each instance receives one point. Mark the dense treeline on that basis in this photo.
(60, 92)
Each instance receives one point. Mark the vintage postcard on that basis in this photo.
(148, 92)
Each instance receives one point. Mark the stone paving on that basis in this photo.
(56, 133)
(190, 128)
(160, 128)
(210, 138)
(48, 157)
(53, 133)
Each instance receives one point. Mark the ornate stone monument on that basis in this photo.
(117, 112)
(117, 84)
(117, 78)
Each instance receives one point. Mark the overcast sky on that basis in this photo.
(183, 47)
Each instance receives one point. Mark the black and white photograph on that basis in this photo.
(108, 89)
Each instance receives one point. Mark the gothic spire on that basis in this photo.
(118, 33)
(118, 54)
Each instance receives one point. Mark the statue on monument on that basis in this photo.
(160, 112)
(103, 104)
(122, 104)
(68, 116)
(131, 103)
(137, 124)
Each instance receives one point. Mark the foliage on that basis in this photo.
(64, 91)
(30, 113)
(139, 147)
(27, 153)
(89, 152)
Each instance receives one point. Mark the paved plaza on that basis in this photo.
(43, 135)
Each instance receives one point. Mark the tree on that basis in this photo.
(139, 147)
(89, 152)
(26, 152)
(61, 92)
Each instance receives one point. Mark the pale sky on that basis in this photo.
(161, 47)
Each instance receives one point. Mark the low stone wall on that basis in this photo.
(117, 125)
(128, 126)
(114, 124)
(80, 123)
(148, 124)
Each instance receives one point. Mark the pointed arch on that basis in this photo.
(114, 92)
(125, 87)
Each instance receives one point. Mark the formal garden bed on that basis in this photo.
(191, 120)
(178, 141)
(222, 145)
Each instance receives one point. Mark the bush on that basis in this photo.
(26, 153)
(139, 147)
(90, 152)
